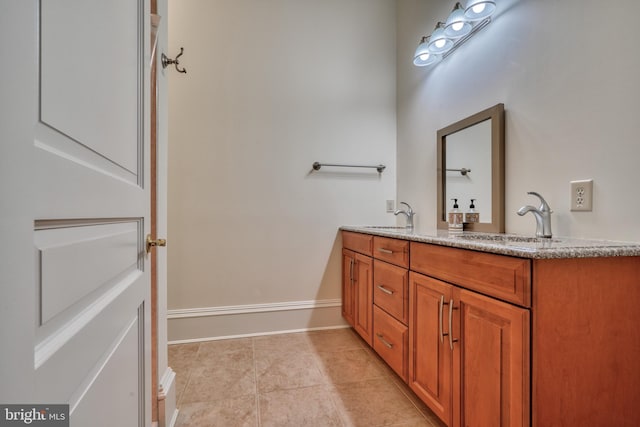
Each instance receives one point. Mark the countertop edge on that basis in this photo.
(567, 248)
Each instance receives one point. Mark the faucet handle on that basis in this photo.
(544, 206)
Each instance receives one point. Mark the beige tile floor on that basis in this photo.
(322, 378)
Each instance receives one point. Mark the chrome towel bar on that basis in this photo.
(462, 171)
(318, 165)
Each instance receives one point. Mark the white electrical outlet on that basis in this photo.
(391, 205)
(582, 195)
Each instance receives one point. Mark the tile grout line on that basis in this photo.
(188, 380)
(255, 382)
(328, 384)
(411, 402)
(405, 390)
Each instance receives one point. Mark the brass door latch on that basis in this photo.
(153, 243)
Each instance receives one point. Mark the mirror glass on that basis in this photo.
(471, 166)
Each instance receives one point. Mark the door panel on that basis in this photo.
(119, 378)
(90, 82)
(65, 358)
(75, 261)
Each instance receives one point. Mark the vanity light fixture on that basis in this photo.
(460, 26)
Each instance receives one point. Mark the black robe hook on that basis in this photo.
(166, 61)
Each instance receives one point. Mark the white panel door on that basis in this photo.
(74, 185)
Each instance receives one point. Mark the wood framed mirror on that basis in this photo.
(471, 166)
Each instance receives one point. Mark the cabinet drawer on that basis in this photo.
(503, 277)
(357, 242)
(391, 289)
(391, 341)
(394, 251)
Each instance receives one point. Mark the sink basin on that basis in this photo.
(506, 238)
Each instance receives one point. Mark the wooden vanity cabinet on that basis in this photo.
(495, 340)
(468, 352)
(441, 326)
(357, 283)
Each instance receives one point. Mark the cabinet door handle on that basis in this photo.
(440, 307)
(385, 251)
(385, 290)
(351, 270)
(451, 340)
(385, 342)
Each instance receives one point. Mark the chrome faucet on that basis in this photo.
(541, 214)
(408, 212)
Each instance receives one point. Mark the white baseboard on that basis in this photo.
(174, 418)
(209, 323)
(167, 411)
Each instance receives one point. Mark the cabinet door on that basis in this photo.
(430, 361)
(363, 292)
(491, 360)
(348, 285)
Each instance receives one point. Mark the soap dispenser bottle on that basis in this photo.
(472, 216)
(455, 217)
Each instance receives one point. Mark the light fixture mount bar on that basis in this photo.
(477, 27)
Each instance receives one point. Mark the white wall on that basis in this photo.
(567, 72)
(273, 86)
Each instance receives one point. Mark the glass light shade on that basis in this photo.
(479, 9)
(439, 43)
(423, 57)
(456, 25)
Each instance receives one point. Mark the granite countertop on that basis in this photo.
(508, 244)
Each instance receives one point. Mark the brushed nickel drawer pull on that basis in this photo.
(385, 290)
(385, 342)
(385, 251)
(440, 307)
(451, 340)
